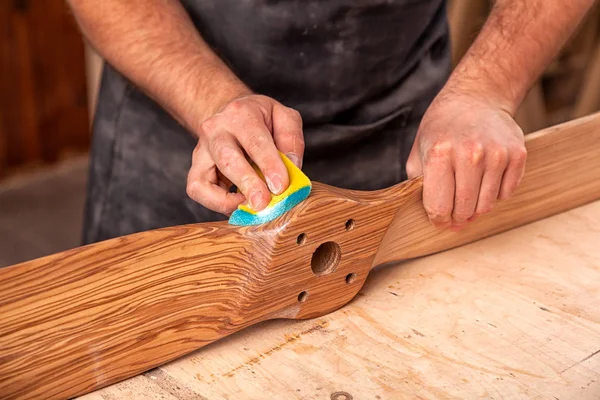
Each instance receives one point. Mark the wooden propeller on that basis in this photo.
(82, 319)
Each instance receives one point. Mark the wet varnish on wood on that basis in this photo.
(83, 319)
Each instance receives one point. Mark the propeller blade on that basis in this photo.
(82, 319)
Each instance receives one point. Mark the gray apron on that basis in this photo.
(360, 72)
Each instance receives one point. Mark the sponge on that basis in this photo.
(297, 191)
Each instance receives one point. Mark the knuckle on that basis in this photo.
(209, 125)
(192, 189)
(519, 154)
(438, 213)
(472, 152)
(498, 156)
(250, 183)
(235, 105)
(296, 138)
(222, 152)
(439, 149)
(439, 217)
(294, 115)
(462, 203)
(238, 106)
(411, 168)
(464, 196)
(246, 183)
(257, 143)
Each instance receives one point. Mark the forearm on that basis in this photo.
(516, 43)
(155, 44)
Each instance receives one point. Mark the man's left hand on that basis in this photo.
(470, 154)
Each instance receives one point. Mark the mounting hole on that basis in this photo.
(301, 239)
(326, 258)
(350, 224)
(302, 296)
(350, 278)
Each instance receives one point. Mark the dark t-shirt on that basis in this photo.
(361, 73)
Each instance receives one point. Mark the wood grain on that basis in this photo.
(513, 316)
(95, 313)
(80, 320)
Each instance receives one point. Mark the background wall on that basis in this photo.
(93, 66)
(43, 91)
(49, 79)
(570, 86)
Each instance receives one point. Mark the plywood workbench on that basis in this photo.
(514, 316)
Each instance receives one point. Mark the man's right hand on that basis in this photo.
(156, 45)
(253, 127)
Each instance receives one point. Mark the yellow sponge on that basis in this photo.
(297, 191)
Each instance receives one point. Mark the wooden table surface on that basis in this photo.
(514, 316)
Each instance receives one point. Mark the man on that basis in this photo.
(193, 86)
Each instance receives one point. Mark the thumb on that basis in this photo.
(287, 133)
(414, 167)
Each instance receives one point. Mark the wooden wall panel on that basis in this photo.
(4, 59)
(43, 93)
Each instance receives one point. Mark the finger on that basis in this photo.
(230, 160)
(495, 165)
(414, 166)
(287, 132)
(203, 185)
(258, 142)
(514, 172)
(468, 173)
(438, 185)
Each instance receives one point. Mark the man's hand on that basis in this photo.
(253, 125)
(468, 148)
(470, 154)
(155, 44)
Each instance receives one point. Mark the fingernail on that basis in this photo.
(295, 159)
(256, 200)
(275, 184)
